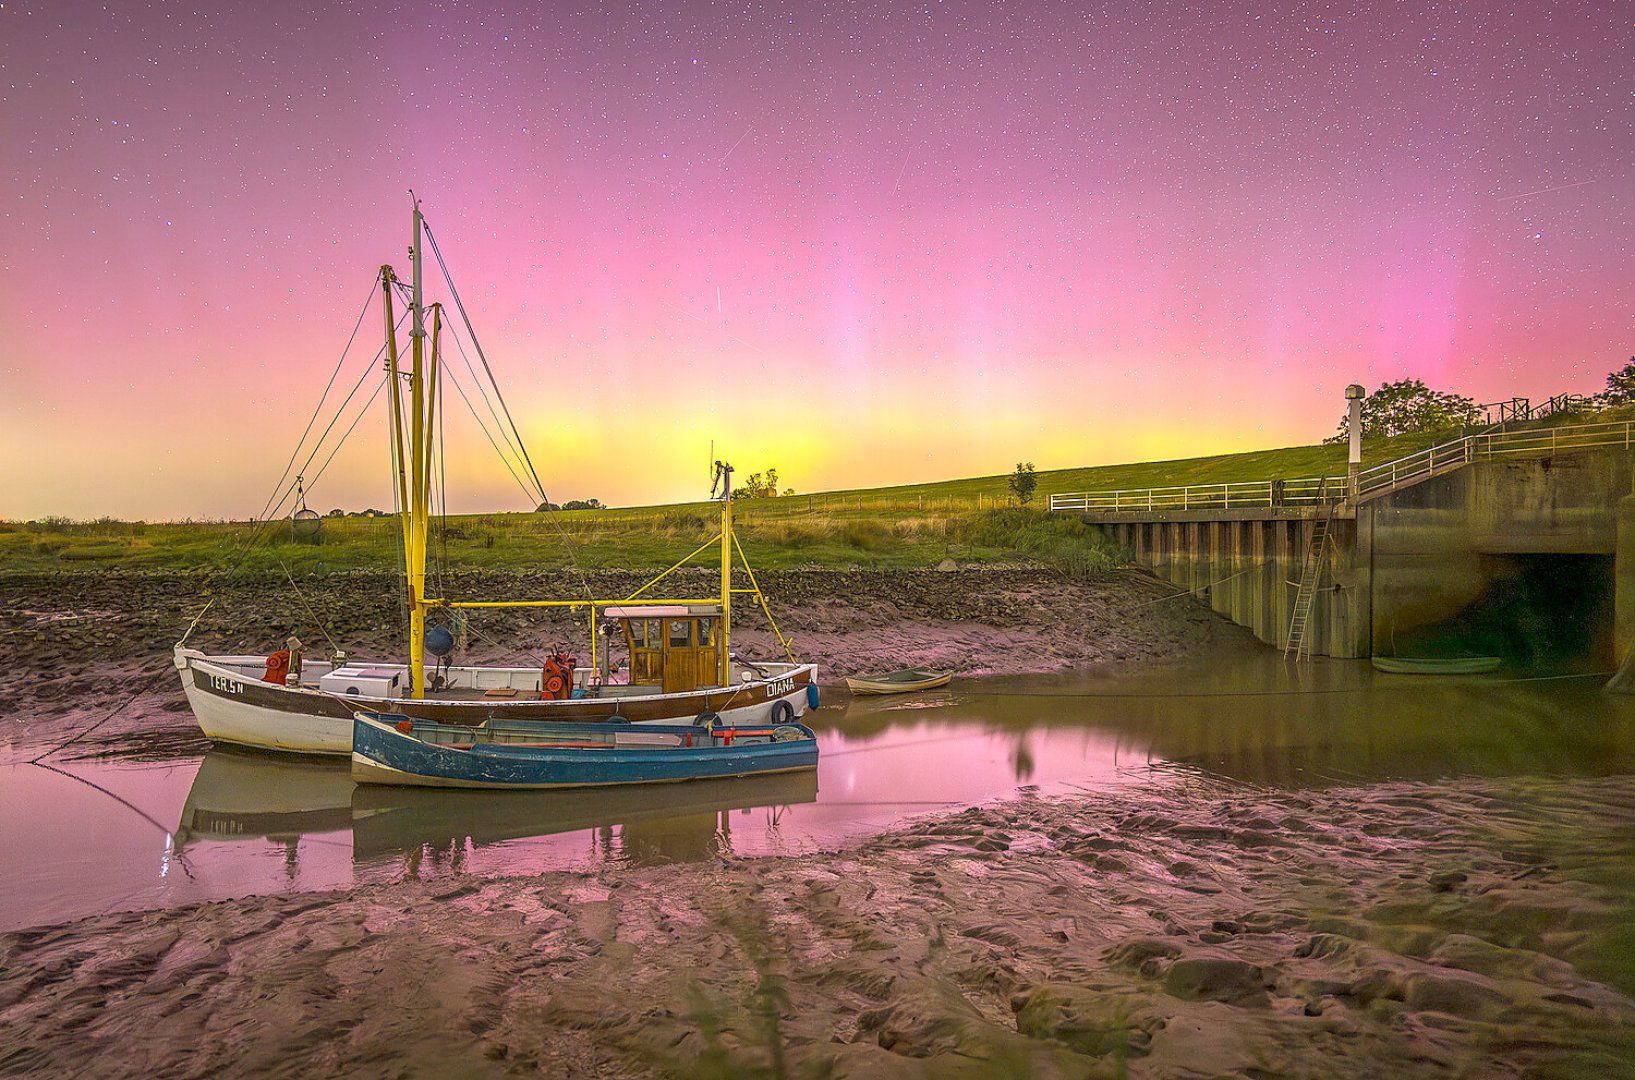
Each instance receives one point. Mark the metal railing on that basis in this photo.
(1306, 491)
(1459, 452)
(1376, 480)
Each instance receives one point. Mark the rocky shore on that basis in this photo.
(74, 643)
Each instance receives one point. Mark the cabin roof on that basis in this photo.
(660, 611)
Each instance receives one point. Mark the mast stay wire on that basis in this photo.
(538, 494)
(466, 319)
(454, 292)
(521, 483)
(254, 535)
(316, 409)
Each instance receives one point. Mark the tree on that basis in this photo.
(1620, 387)
(759, 487)
(583, 504)
(1023, 481)
(546, 507)
(1406, 406)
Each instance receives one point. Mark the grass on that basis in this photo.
(904, 527)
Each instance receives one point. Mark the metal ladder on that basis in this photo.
(1311, 572)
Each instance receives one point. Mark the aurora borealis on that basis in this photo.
(863, 243)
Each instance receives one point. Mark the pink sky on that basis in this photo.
(866, 246)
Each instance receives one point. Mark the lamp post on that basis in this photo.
(1354, 395)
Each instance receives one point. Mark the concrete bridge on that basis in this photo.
(1521, 541)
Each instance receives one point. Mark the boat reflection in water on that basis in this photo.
(238, 796)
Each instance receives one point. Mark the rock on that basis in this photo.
(1211, 978)
(1143, 956)
(1090, 1022)
(1456, 993)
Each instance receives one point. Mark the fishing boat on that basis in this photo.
(905, 681)
(392, 748)
(678, 663)
(242, 795)
(1424, 665)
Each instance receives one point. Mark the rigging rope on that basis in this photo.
(370, 299)
(538, 494)
(461, 308)
(489, 435)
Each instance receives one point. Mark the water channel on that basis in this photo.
(151, 830)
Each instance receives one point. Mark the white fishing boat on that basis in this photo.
(678, 666)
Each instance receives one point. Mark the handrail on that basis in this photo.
(1375, 480)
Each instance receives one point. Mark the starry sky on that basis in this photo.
(863, 243)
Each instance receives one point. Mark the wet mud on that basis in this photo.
(1197, 929)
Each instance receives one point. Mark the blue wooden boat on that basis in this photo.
(391, 748)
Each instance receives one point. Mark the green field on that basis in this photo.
(910, 526)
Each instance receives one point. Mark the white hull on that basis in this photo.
(235, 707)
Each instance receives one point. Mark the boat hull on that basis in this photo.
(236, 708)
(381, 754)
(899, 682)
(1414, 665)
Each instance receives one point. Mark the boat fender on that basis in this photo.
(707, 720)
(617, 719)
(278, 666)
(782, 712)
(812, 696)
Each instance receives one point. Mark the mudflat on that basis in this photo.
(1187, 926)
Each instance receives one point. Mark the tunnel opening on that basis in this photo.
(1538, 611)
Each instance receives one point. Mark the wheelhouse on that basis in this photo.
(676, 647)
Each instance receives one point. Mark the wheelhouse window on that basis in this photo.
(706, 633)
(681, 633)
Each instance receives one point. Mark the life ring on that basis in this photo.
(278, 666)
(782, 712)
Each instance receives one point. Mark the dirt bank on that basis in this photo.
(1468, 928)
(75, 643)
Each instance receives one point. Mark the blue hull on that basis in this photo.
(432, 755)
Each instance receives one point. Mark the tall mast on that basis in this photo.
(419, 445)
(726, 567)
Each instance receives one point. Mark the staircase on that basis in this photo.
(1311, 572)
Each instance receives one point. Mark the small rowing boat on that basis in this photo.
(1424, 665)
(392, 748)
(905, 681)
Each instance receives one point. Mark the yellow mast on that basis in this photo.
(414, 530)
(726, 567)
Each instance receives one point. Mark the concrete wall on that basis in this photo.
(1249, 570)
(1410, 559)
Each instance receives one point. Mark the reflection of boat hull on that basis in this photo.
(1417, 665)
(391, 820)
(907, 681)
(235, 795)
(235, 706)
(392, 749)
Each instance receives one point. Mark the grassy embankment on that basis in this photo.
(911, 526)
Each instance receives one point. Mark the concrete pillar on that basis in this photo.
(1262, 577)
(1282, 593)
(1623, 571)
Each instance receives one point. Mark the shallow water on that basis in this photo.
(103, 834)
